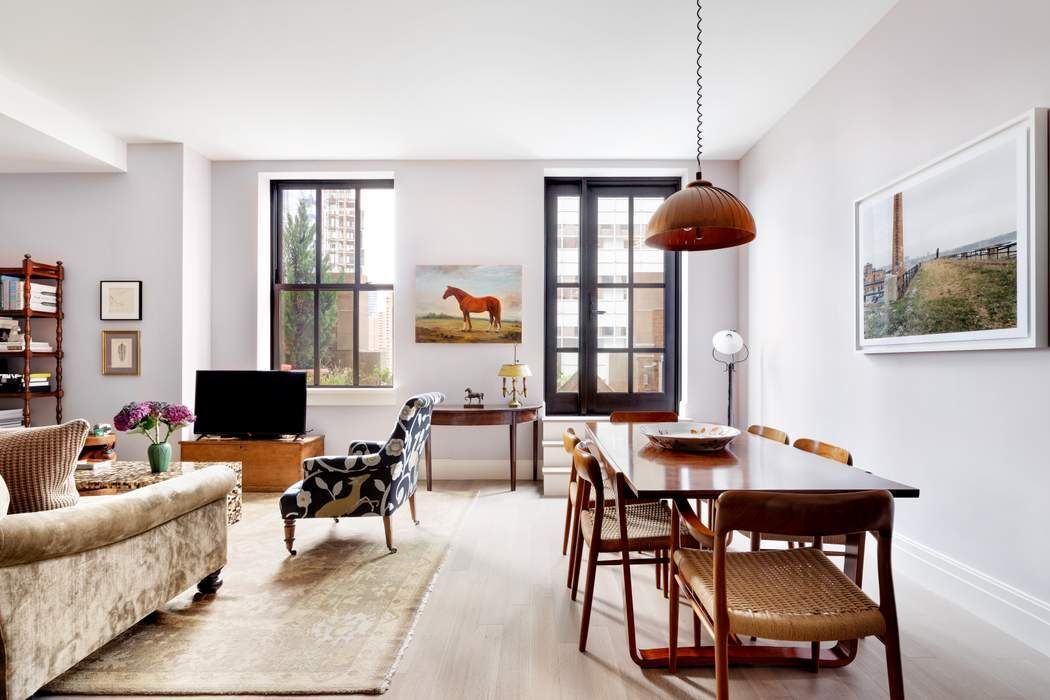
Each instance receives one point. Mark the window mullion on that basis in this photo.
(357, 288)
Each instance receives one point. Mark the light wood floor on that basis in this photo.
(499, 623)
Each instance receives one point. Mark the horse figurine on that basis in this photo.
(471, 395)
(476, 305)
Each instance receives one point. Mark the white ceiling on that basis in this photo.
(327, 79)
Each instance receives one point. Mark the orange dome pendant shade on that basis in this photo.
(700, 217)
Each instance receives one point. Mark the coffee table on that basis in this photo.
(128, 476)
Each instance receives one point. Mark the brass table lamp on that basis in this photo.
(514, 371)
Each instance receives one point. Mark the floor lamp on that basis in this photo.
(727, 345)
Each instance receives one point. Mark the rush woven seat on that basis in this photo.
(796, 595)
(648, 528)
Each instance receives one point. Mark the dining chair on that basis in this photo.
(789, 595)
(643, 417)
(774, 434)
(628, 525)
(569, 443)
(823, 449)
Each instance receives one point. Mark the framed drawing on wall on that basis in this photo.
(953, 256)
(120, 300)
(120, 353)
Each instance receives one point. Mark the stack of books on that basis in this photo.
(13, 383)
(11, 418)
(34, 345)
(42, 297)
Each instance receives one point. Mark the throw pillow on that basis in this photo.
(38, 465)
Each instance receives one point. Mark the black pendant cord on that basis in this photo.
(699, 95)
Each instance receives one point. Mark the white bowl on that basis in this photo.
(689, 436)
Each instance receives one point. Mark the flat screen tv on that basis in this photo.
(249, 403)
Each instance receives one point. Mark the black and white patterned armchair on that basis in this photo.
(374, 479)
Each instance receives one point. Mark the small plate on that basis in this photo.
(690, 437)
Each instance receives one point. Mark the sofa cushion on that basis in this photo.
(38, 465)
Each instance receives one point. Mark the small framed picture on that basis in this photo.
(120, 352)
(120, 300)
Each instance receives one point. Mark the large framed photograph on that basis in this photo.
(120, 353)
(468, 303)
(120, 300)
(953, 256)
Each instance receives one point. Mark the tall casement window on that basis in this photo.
(611, 302)
(333, 281)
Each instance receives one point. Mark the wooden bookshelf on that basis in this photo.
(28, 271)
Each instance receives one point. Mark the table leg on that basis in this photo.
(513, 456)
(426, 451)
(536, 430)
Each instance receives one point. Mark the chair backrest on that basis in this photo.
(825, 449)
(569, 440)
(413, 423)
(801, 514)
(589, 469)
(643, 417)
(769, 433)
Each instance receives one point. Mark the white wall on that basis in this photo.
(967, 428)
(196, 271)
(106, 226)
(447, 212)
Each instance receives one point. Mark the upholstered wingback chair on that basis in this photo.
(374, 479)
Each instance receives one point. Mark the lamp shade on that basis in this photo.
(700, 217)
(727, 342)
(514, 370)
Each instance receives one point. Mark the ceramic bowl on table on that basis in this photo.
(688, 436)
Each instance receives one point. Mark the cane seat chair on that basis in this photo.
(792, 595)
(823, 449)
(628, 524)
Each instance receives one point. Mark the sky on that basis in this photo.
(501, 281)
(971, 201)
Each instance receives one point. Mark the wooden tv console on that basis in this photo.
(266, 465)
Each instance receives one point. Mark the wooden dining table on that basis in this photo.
(749, 463)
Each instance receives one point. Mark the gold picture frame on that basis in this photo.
(120, 353)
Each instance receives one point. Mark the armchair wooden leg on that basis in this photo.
(389, 534)
(568, 526)
(412, 508)
(672, 626)
(588, 596)
(289, 534)
(210, 583)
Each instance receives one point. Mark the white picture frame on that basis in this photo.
(120, 300)
(881, 320)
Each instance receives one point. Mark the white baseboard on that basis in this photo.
(1015, 612)
(488, 469)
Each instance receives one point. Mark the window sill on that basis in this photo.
(355, 396)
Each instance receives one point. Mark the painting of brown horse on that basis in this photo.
(475, 305)
(450, 298)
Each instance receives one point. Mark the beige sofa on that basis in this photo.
(74, 578)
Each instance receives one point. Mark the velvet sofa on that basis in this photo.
(74, 578)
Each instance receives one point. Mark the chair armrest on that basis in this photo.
(101, 521)
(700, 532)
(340, 464)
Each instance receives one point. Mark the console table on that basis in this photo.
(494, 415)
(128, 476)
(269, 465)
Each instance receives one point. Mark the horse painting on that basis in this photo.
(476, 305)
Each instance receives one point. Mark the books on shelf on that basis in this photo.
(34, 345)
(11, 418)
(84, 464)
(42, 297)
(11, 382)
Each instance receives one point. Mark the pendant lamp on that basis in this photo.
(702, 216)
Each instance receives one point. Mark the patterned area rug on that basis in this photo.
(332, 620)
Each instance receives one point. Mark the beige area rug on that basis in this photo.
(334, 619)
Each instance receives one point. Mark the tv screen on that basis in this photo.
(235, 402)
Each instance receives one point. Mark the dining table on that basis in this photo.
(749, 463)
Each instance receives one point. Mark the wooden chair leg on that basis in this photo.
(588, 596)
(893, 663)
(412, 508)
(388, 531)
(289, 534)
(667, 574)
(656, 569)
(697, 630)
(721, 665)
(756, 541)
(574, 571)
(672, 622)
(568, 526)
(814, 656)
(574, 544)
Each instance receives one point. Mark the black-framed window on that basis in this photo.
(611, 301)
(333, 280)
